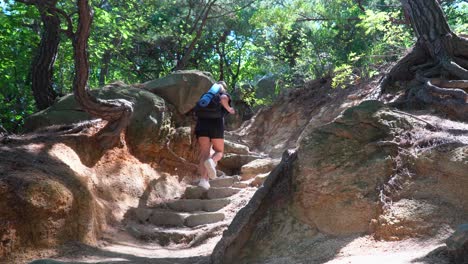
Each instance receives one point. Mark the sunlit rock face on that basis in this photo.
(150, 117)
(374, 170)
(279, 127)
(342, 165)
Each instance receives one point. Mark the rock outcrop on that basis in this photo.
(457, 245)
(150, 118)
(48, 196)
(182, 88)
(282, 123)
(373, 170)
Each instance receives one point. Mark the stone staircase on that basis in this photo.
(200, 214)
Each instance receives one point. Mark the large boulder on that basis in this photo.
(340, 167)
(182, 88)
(147, 132)
(48, 196)
(40, 206)
(373, 170)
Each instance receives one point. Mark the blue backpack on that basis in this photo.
(206, 98)
(209, 105)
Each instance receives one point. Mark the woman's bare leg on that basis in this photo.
(205, 146)
(218, 146)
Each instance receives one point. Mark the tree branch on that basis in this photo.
(305, 18)
(182, 62)
(233, 11)
(69, 31)
(359, 3)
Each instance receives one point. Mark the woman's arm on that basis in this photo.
(225, 104)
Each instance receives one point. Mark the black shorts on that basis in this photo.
(210, 127)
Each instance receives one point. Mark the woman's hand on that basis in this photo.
(225, 104)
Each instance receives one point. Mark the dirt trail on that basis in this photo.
(358, 250)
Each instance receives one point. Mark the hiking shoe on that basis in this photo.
(210, 168)
(204, 184)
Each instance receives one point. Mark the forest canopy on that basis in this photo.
(238, 41)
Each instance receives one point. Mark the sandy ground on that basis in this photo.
(365, 250)
(118, 246)
(361, 250)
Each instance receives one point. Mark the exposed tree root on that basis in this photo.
(70, 129)
(462, 62)
(50, 132)
(404, 69)
(434, 71)
(443, 79)
(453, 102)
(457, 84)
(455, 69)
(109, 136)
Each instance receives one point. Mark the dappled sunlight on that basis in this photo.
(366, 250)
(68, 156)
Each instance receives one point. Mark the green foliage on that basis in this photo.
(17, 33)
(242, 40)
(457, 15)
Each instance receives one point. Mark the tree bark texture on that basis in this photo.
(438, 58)
(42, 67)
(116, 112)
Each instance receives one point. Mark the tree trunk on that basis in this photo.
(42, 68)
(104, 71)
(221, 53)
(182, 63)
(106, 59)
(439, 57)
(116, 112)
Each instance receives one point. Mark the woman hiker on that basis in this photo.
(210, 130)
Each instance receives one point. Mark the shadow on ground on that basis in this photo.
(436, 256)
(79, 253)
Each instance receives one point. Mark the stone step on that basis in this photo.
(235, 148)
(163, 237)
(241, 185)
(172, 237)
(164, 217)
(193, 205)
(258, 166)
(217, 193)
(222, 182)
(203, 219)
(259, 179)
(236, 161)
(161, 217)
(196, 192)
